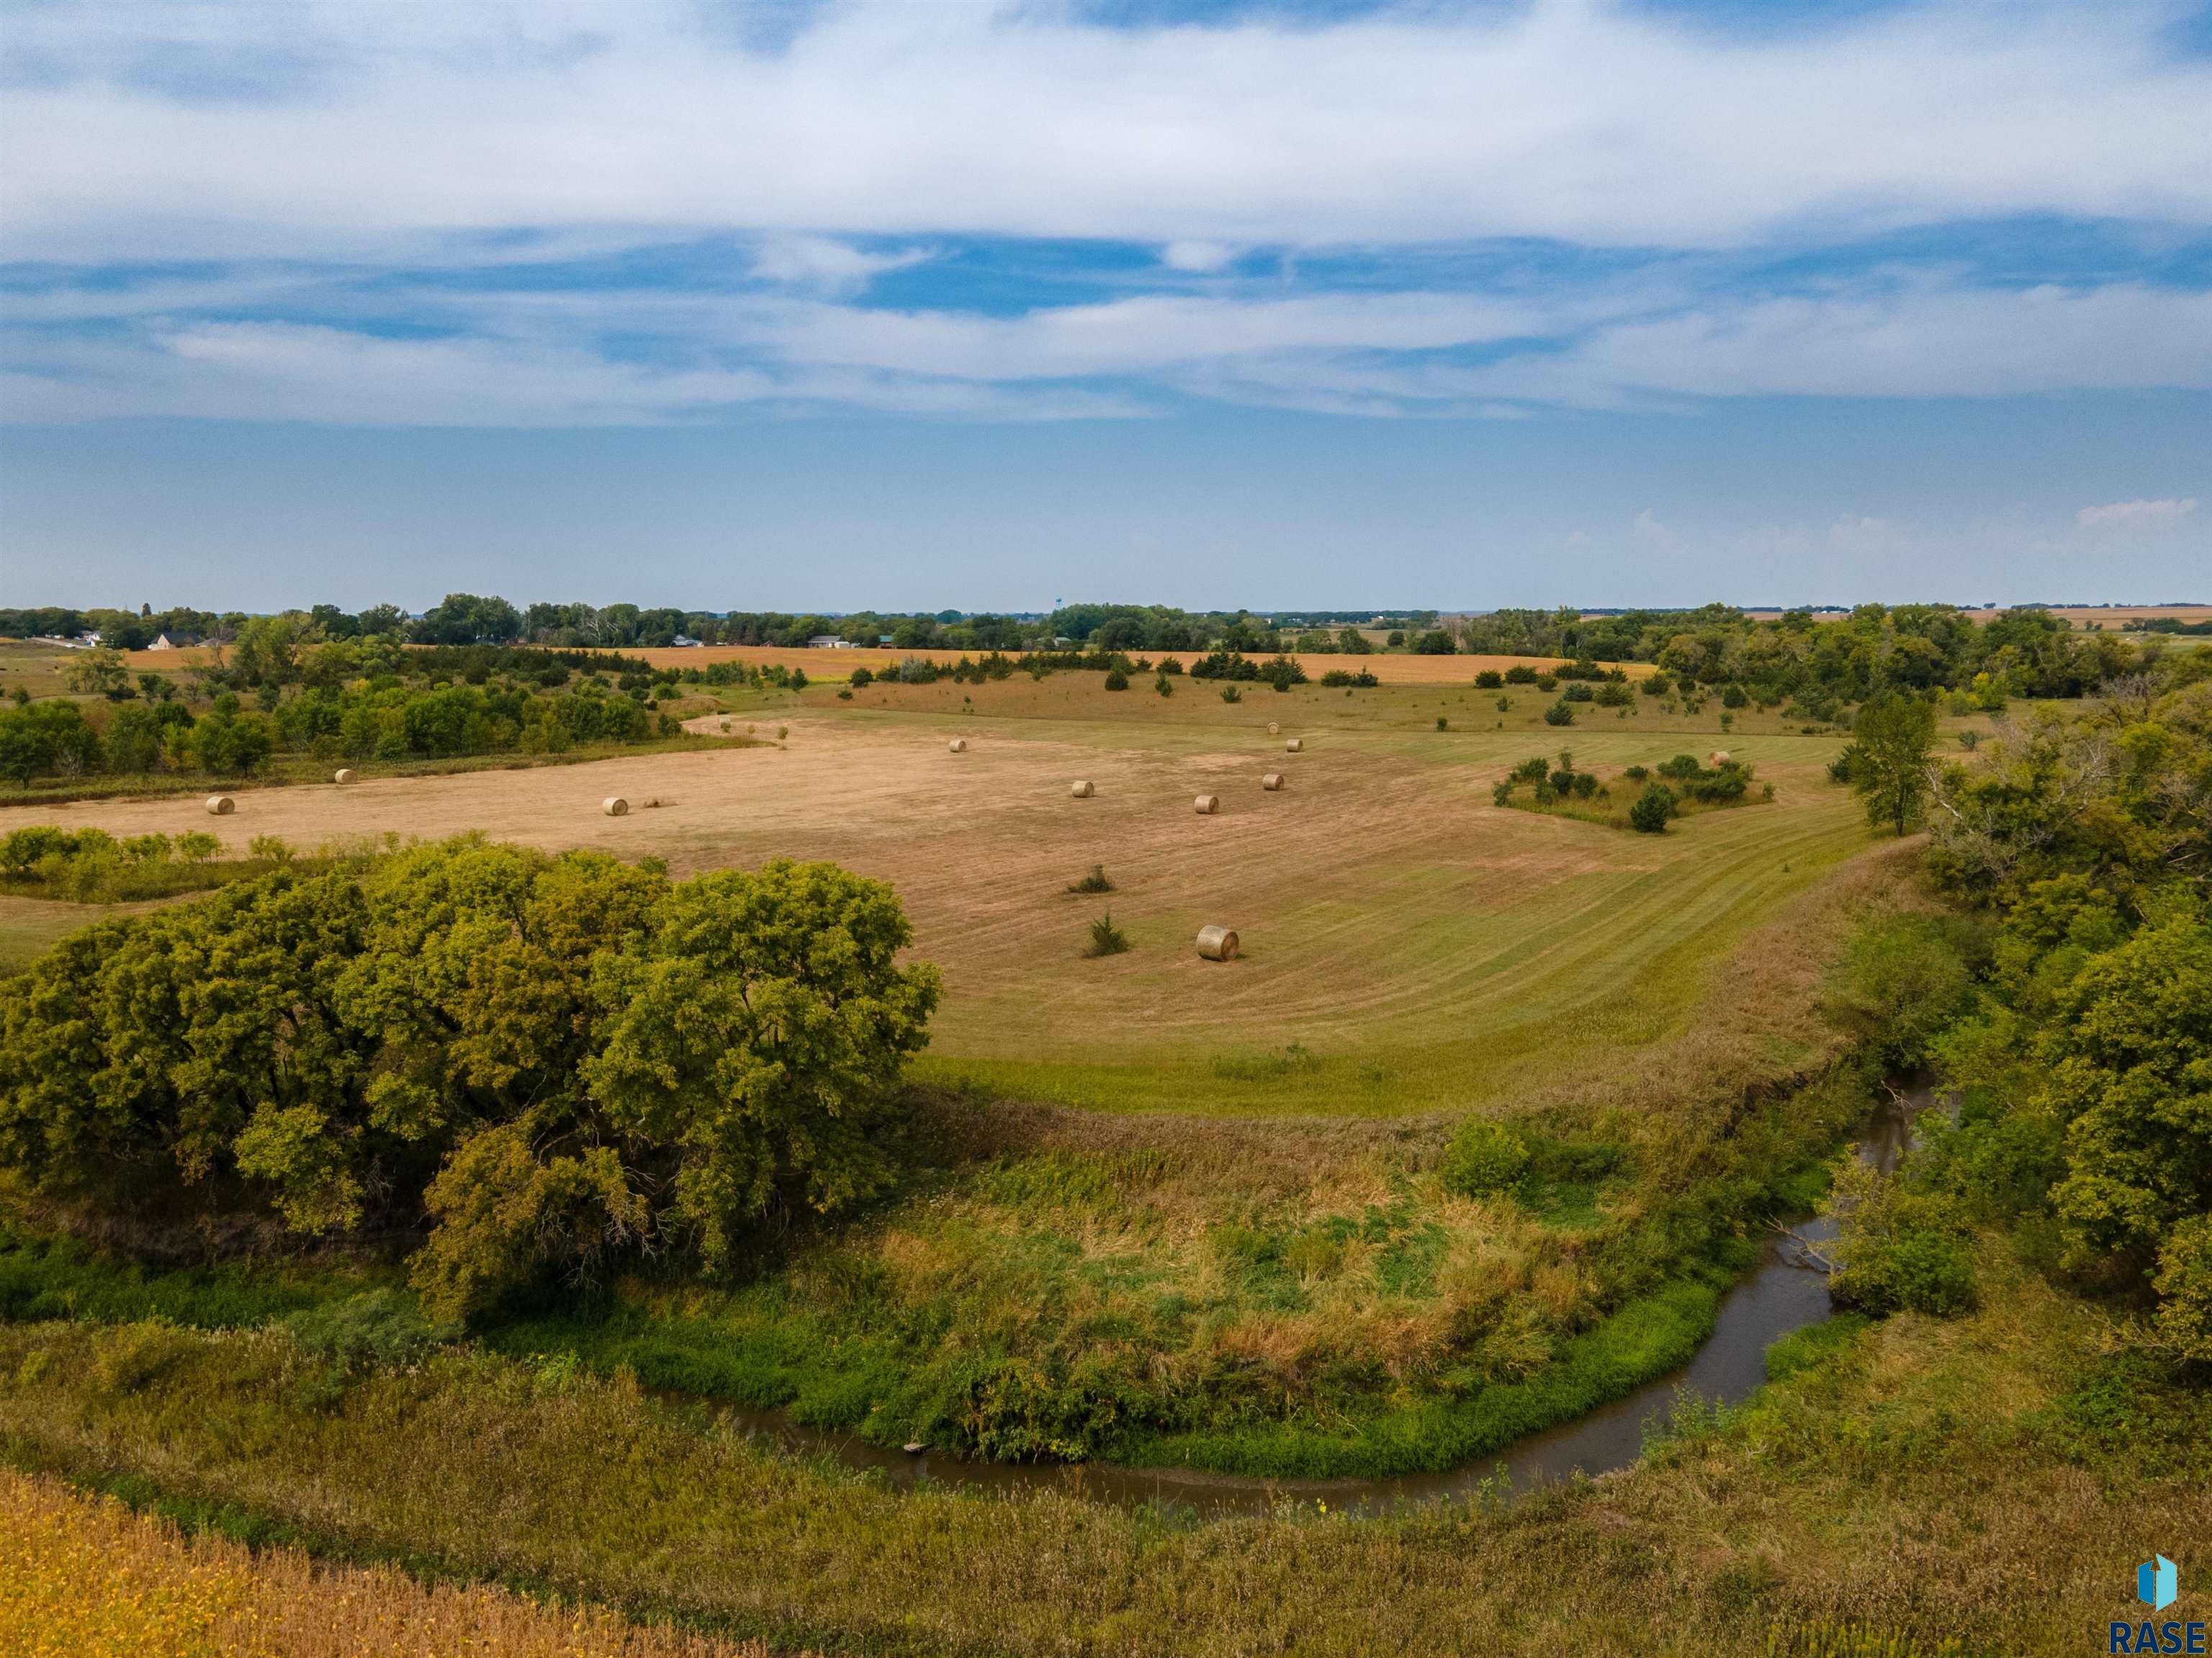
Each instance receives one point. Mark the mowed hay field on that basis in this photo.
(1408, 945)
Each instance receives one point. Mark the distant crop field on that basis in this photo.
(1416, 944)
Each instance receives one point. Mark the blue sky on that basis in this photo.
(829, 305)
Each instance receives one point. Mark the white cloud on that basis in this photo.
(823, 262)
(1573, 118)
(104, 349)
(262, 371)
(1148, 333)
(1859, 534)
(368, 215)
(1924, 340)
(1197, 256)
(1648, 531)
(2136, 514)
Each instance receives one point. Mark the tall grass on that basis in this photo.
(45, 1277)
(87, 1577)
(1924, 1483)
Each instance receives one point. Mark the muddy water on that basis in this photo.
(1786, 1292)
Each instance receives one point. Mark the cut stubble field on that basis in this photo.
(1409, 945)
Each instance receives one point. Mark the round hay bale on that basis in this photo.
(1218, 944)
(1271, 780)
(615, 806)
(1081, 788)
(1294, 746)
(1718, 757)
(958, 745)
(1273, 729)
(1208, 805)
(346, 774)
(220, 806)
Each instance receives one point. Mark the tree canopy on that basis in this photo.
(546, 1058)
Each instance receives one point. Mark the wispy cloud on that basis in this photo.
(553, 214)
(826, 262)
(2136, 514)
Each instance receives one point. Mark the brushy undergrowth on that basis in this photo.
(1141, 1305)
(48, 1276)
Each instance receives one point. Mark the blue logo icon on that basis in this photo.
(2156, 1583)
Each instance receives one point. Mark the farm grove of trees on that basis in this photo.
(546, 1059)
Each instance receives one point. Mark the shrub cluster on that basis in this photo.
(91, 865)
(1713, 786)
(1282, 672)
(1485, 1156)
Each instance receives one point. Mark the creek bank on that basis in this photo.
(1786, 1292)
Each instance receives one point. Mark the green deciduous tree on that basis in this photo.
(1888, 764)
(2130, 1057)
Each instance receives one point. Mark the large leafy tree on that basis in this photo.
(1887, 760)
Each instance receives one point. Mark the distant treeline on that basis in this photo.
(1823, 663)
(473, 619)
(1821, 660)
(332, 700)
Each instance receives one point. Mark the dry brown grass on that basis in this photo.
(86, 1577)
(1387, 908)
